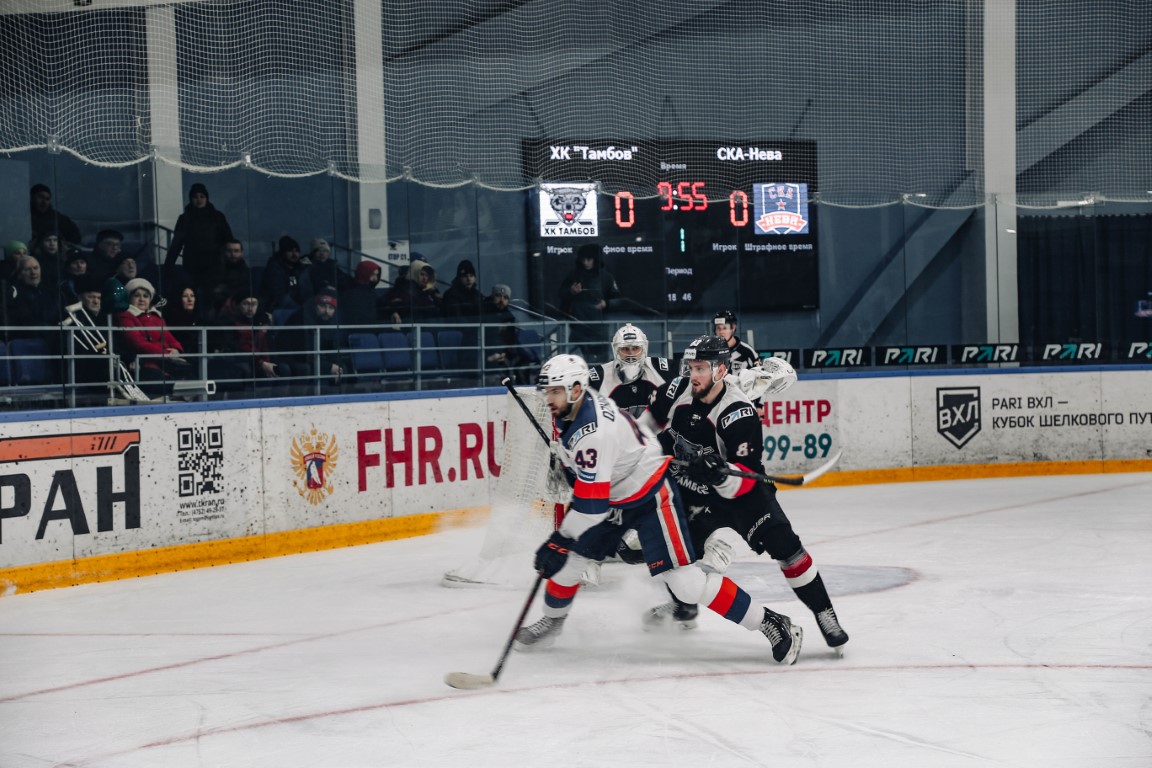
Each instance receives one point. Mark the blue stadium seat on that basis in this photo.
(366, 356)
(26, 369)
(429, 354)
(451, 356)
(396, 351)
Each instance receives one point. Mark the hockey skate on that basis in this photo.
(785, 636)
(830, 627)
(670, 615)
(541, 635)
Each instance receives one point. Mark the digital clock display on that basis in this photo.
(685, 226)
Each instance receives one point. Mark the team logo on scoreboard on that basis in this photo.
(568, 210)
(958, 414)
(781, 209)
(314, 456)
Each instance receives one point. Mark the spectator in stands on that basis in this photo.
(200, 234)
(14, 252)
(126, 269)
(250, 336)
(584, 295)
(463, 299)
(32, 302)
(499, 330)
(284, 285)
(144, 332)
(233, 277)
(358, 302)
(324, 272)
(47, 220)
(53, 257)
(415, 299)
(298, 339)
(75, 270)
(105, 254)
(90, 345)
(183, 317)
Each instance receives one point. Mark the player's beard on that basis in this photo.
(703, 392)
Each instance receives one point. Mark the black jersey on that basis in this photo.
(632, 396)
(743, 356)
(728, 426)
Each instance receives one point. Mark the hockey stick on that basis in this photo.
(516, 396)
(777, 479)
(469, 681)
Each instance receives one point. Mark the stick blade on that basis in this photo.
(820, 470)
(467, 681)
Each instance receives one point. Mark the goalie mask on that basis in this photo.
(711, 349)
(564, 371)
(629, 348)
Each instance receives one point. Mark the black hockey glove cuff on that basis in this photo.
(552, 554)
(707, 468)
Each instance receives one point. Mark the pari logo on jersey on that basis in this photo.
(781, 209)
(314, 456)
(568, 210)
(958, 414)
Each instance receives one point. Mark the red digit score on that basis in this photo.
(686, 196)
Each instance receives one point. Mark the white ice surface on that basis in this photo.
(1024, 638)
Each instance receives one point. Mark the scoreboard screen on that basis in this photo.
(714, 225)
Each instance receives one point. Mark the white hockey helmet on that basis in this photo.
(629, 365)
(564, 371)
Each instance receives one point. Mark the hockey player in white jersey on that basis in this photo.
(711, 426)
(632, 377)
(620, 482)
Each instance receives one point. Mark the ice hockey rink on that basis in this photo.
(997, 622)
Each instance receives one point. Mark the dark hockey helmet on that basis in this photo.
(727, 317)
(707, 348)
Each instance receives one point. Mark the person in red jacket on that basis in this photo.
(144, 332)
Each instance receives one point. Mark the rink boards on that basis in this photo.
(115, 493)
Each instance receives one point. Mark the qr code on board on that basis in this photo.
(200, 456)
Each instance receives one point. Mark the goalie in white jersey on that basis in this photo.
(632, 377)
(619, 478)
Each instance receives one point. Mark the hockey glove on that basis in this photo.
(552, 555)
(629, 550)
(707, 468)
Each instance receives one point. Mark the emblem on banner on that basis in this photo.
(781, 209)
(568, 210)
(314, 455)
(958, 414)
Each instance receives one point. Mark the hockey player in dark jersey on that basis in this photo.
(632, 377)
(620, 482)
(742, 354)
(710, 425)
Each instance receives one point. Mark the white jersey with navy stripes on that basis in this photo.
(616, 463)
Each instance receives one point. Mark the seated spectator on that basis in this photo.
(324, 272)
(75, 271)
(126, 270)
(299, 340)
(502, 351)
(46, 219)
(144, 332)
(250, 336)
(462, 300)
(183, 316)
(32, 302)
(14, 251)
(233, 277)
(358, 301)
(200, 233)
(90, 342)
(105, 254)
(284, 285)
(414, 299)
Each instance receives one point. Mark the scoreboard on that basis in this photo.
(687, 227)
